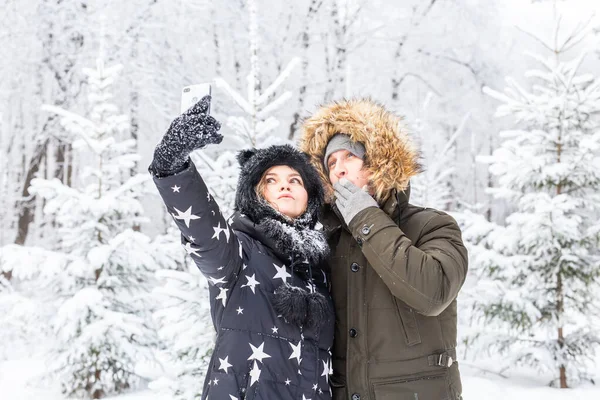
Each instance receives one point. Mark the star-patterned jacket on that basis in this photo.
(257, 354)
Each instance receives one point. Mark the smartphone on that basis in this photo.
(190, 95)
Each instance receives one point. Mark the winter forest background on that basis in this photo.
(97, 298)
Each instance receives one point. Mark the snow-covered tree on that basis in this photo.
(539, 273)
(103, 268)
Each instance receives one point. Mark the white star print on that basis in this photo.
(258, 353)
(281, 273)
(320, 391)
(330, 366)
(315, 386)
(254, 374)
(240, 310)
(244, 266)
(222, 296)
(191, 238)
(220, 268)
(240, 243)
(190, 250)
(185, 216)
(216, 281)
(219, 230)
(252, 282)
(216, 382)
(304, 397)
(232, 397)
(287, 381)
(176, 189)
(326, 371)
(296, 352)
(224, 364)
(275, 329)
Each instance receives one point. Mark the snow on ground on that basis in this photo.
(481, 385)
(477, 385)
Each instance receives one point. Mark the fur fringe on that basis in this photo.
(299, 307)
(391, 155)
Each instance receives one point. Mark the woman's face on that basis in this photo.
(284, 190)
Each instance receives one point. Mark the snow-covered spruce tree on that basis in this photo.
(101, 326)
(540, 271)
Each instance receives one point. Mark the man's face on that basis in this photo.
(344, 164)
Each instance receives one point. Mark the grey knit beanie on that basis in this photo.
(341, 141)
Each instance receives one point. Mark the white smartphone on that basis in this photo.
(190, 95)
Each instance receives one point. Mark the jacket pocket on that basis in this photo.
(430, 387)
(408, 321)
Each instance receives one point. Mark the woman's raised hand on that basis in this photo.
(192, 130)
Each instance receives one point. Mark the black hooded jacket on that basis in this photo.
(261, 351)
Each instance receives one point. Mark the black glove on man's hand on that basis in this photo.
(194, 129)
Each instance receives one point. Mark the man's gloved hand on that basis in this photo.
(194, 129)
(350, 199)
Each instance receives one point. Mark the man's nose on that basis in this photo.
(339, 170)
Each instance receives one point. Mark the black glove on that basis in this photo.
(194, 129)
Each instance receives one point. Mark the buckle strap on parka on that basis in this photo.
(445, 359)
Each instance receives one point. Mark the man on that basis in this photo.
(396, 268)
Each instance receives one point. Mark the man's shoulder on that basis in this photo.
(421, 212)
(419, 217)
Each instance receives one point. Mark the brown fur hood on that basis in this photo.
(390, 154)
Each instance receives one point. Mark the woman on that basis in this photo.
(268, 290)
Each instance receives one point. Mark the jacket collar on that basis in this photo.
(396, 202)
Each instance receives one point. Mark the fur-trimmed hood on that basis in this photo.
(390, 156)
